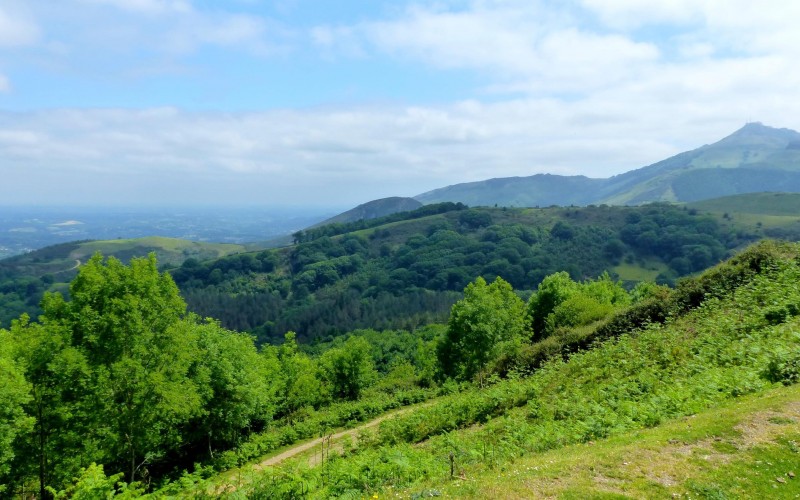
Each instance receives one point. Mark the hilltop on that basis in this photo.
(373, 210)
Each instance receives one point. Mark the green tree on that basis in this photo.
(14, 395)
(489, 319)
(234, 381)
(128, 321)
(60, 384)
(553, 290)
(300, 385)
(563, 303)
(349, 369)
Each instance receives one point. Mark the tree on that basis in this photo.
(128, 323)
(300, 385)
(14, 394)
(560, 302)
(488, 319)
(553, 290)
(59, 377)
(349, 369)
(234, 382)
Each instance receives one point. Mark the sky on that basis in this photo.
(323, 103)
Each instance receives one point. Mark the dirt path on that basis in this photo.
(76, 266)
(296, 450)
(335, 440)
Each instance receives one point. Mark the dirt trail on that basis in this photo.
(296, 450)
(314, 459)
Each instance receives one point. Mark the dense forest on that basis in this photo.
(407, 270)
(121, 375)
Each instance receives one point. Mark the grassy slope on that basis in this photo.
(777, 204)
(59, 258)
(170, 251)
(744, 448)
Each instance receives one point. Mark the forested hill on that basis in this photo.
(755, 158)
(406, 270)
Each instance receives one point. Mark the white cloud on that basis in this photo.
(110, 33)
(16, 27)
(519, 45)
(146, 6)
(193, 30)
(629, 14)
(742, 25)
(5, 84)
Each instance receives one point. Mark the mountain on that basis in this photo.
(373, 210)
(755, 158)
(537, 190)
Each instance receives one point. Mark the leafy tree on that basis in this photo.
(60, 381)
(553, 290)
(487, 320)
(561, 302)
(14, 394)
(349, 369)
(235, 384)
(300, 386)
(128, 322)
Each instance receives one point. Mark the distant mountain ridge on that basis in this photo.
(373, 210)
(755, 158)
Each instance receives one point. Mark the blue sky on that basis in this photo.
(336, 103)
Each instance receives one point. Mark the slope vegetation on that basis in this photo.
(728, 335)
(373, 210)
(407, 270)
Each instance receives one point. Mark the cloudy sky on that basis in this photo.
(334, 103)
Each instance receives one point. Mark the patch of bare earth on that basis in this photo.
(758, 429)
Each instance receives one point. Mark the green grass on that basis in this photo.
(787, 204)
(737, 450)
(170, 250)
(636, 272)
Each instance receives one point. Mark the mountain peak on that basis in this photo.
(758, 133)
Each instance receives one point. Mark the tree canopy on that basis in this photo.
(489, 318)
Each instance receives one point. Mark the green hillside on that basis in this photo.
(700, 400)
(755, 158)
(175, 406)
(781, 204)
(745, 448)
(23, 278)
(407, 270)
(539, 190)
